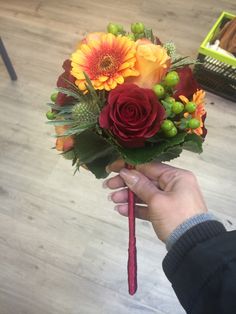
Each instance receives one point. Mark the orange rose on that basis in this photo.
(64, 143)
(152, 62)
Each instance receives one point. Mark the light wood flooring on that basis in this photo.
(63, 249)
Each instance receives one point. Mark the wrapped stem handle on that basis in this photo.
(132, 252)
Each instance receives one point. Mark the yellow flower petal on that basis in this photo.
(85, 49)
(129, 72)
(184, 99)
(113, 85)
(119, 79)
(103, 78)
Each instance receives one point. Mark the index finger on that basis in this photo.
(116, 166)
(153, 170)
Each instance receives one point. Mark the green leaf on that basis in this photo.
(60, 122)
(79, 129)
(156, 151)
(149, 34)
(69, 92)
(70, 155)
(93, 92)
(98, 166)
(73, 86)
(170, 153)
(89, 146)
(168, 109)
(61, 108)
(95, 152)
(179, 62)
(193, 143)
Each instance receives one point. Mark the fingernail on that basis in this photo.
(104, 184)
(116, 208)
(129, 177)
(108, 169)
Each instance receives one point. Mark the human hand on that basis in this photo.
(166, 196)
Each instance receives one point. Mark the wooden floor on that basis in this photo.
(63, 249)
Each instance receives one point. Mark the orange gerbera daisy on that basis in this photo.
(106, 59)
(199, 100)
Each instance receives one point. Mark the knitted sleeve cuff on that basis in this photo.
(197, 234)
(185, 226)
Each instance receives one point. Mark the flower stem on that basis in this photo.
(132, 258)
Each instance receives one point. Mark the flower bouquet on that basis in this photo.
(126, 95)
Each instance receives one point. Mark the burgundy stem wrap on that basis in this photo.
(132, 259)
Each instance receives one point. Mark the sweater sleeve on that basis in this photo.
(201, 266)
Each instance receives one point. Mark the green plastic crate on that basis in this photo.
(216, 72)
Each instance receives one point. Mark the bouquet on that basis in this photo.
(126, 95)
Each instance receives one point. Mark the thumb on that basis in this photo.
(139, 184)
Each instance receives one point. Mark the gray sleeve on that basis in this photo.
(185, 226)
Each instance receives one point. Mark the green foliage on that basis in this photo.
(149, 34)
(60, 122)
(61, 109)
(98, 166)
(70, 155)
(70, 93)
(193, 143)
(168, 108)
(179, 62)
(95, 152)
(162, 150)
(94, 97)
(83, 111)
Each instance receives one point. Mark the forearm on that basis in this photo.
(196, 263)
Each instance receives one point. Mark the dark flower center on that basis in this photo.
(107, 63)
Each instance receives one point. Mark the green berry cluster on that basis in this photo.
(51, 115)
(115, 29)
(167, 85)
(174, 109)
(137, 30)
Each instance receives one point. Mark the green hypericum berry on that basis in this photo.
(137, 28)
(171, 79)
(169, 99)
(172, 132)
(167, 125)
(120, 28)
(193, 123)
(159, 90)
(54, 96)
(51, 115)
(113, 28)
(177, 107)
(190, 107)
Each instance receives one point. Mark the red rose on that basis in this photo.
(62, 99)
(187, 85)
(132, 114)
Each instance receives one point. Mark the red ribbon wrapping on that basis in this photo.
(132, 258)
